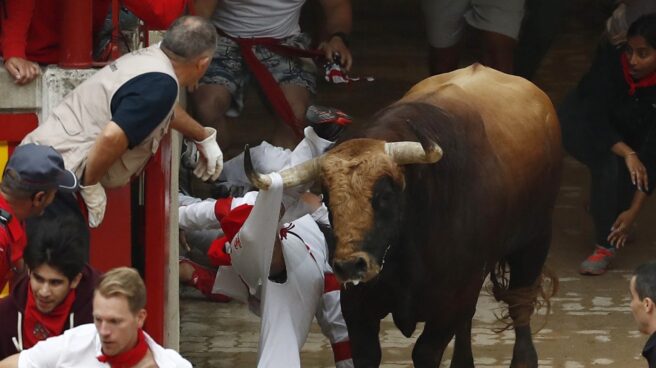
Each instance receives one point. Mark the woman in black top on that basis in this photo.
(609, 124)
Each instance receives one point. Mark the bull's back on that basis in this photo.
(519, 120)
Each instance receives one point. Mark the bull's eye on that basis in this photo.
(384, 195)
(325, 196)
(382, 200)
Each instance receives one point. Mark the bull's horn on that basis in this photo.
(405, 153)
(297, 175)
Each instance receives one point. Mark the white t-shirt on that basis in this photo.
(80, 347)
(258, 18)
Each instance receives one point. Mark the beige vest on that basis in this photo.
(74, 125)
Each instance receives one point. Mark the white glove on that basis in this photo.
(96, 200)
(211, 162)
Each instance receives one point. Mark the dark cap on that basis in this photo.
(34, 167)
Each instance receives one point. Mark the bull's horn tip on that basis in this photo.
(434, 153)
(257, 179)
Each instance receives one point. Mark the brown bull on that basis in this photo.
(421, 233)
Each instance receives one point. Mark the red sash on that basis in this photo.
(269, 85)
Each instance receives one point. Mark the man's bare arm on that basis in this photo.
(186, 125)
(339, 22)
(108, 148)
(205, 8)
(10, 362)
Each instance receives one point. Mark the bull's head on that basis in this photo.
(363, 180)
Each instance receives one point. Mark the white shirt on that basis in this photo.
(80, 347)
(258, 18)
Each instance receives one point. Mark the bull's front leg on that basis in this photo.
(363, 325)
(462, 351)
(431, 344)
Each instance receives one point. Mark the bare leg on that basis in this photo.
(443, 60)
(498, 51)
(186, 272)
(210, 103)
(299, 100)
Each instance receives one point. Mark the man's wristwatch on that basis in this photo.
(342, 35)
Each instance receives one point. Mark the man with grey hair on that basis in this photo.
(108, 127)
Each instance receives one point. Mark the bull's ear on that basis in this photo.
(425, 141)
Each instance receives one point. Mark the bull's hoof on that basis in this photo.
(522, 365)
(462, 362)
(524, 356)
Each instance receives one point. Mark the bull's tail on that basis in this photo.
(522, 302)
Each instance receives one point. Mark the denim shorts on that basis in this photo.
(445, 19)
(229, 69)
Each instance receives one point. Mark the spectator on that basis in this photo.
(262, 38)
(626, 13)
(643, 295)
(30, 35)
(57, 293)
(109, 126)
(116, 339)
(159, 14)
(31, 178)
(155, 14)
(607, 124)
(499, 23)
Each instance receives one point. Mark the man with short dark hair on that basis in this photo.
(30, 180)
(57, 293)
(643, 296)
(116, 340)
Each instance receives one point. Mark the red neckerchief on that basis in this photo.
(38, 326)
(130, 357)
(644, 82)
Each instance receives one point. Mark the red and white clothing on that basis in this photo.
(81, 346)
(12, 245)
(30, 28)
(288, 308)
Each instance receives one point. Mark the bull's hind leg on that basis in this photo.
(526, 266)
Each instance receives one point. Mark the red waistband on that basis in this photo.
(269, 85)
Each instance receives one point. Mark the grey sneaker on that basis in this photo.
(598, 261)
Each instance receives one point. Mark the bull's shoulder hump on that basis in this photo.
(470, 80)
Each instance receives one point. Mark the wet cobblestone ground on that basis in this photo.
(591, 323)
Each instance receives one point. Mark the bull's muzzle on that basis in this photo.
(358, 267)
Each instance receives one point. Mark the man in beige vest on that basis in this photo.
(111, 124)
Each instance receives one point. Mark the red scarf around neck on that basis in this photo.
(633, 85)
(38, 326)
(128, 358)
